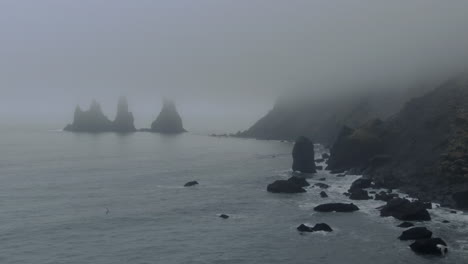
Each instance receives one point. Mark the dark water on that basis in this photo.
(55, 188)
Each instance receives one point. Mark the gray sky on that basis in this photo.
(222, 60)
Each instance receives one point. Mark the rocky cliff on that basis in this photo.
(124, 121)
(423, 149)
(168, 121)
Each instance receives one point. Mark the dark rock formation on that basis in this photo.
(322, 185)
(224, 216)
(355, 147)
(191, 183)
(325, 156)
(299, 181)
(319, 160)
(415, 233)
(168, 121)
(318, 227)
(403, 209)
(319, 167)
(124, 119)
(92, 120)
(303, 156)
(430, 246)
(361, 183)
(359, 194)
(336, 207)
(323, 194)
(384, 196)
(405, 225)
(461, 199)
(284, 186)
(323, 179)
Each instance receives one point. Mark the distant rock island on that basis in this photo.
(94, 121)
(168, 121)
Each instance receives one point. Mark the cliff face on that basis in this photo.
(124, 119)
(168, 121)
(93, 120)
(425, 145)
(320, 120)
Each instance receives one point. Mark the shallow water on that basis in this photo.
(56, 188)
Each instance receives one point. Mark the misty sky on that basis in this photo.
(224, 61)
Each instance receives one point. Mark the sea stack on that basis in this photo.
(303, 156)
(169, 120)
(124, 121)
(92, 120)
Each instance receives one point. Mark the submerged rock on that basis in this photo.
(168, 121)
(336, 207)
(405, 225)
(323, 194)
(403, 209)
(224, 216)
(322, 185)
(430, 246)
(191, 183)
(303, 156)
(284, 186)
(299, 181)
(415, 233)
(318, 227)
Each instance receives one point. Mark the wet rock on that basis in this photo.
(430, 246)
(322, 179)
(191, 183)
(359, 194)
(336, 207)
(384, 196)
(319, 167)
(461, 199)
(303, 156)
(415, 233)
(322, 185)
(318, 227)
(340, 175)
(338, 171)
(224, 216)
(403, 209)
(361, 183)
(284, 186)
(325, 156)
(446, 221)
(405, 225)
(323, 194)
(319, 160)
(299, 181)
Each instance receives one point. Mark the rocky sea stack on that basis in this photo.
(303, 156)
(94, 120)
(168, 121)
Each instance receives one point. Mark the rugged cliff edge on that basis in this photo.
(168, 121)
(423, 149)
(93, 120)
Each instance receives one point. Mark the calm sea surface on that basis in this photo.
(109, 198)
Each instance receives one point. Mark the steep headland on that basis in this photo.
(169, 120)
(423, 149)
(94, 120)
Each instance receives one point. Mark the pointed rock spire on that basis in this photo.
(124, 121)
(169, 120)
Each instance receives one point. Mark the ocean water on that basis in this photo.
(110, 198)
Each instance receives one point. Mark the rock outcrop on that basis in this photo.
(430, 246)
(336, 207)
(405, 210)
(124, 121)
(421, 150)
(318, 227)
(93, 120)
(415, 233)
(191, 183)
(303, 156)
(284, 186)
(168, 120)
